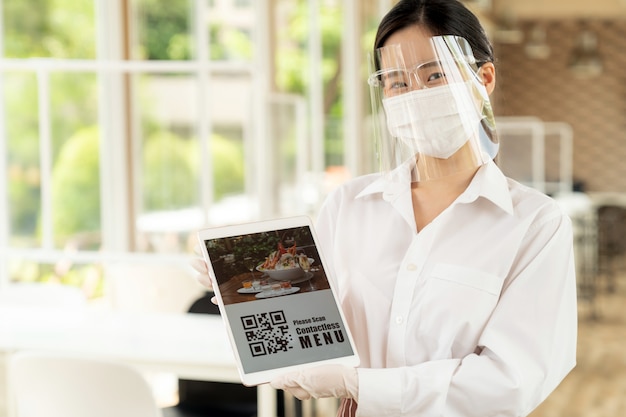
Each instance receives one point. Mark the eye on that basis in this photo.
(435, 76)
(396, 82)
(395, 88)
(432, 74)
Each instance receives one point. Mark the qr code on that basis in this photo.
(267, 333)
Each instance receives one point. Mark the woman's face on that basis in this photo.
(426, 70)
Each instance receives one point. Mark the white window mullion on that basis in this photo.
(384, 6)
(114, 170)
(204, 125)
(316, 88)
(4, 191)
(352, 57)
(135, 128)
(4, 180)
(263, 172)
(45, 158)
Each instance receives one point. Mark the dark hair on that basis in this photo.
(441, 17)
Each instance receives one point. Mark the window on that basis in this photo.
(129, 124)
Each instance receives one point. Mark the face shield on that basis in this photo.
(431, 110)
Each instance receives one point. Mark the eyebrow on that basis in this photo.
(395, 73)
(433, 63)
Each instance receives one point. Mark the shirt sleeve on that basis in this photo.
(526, 349)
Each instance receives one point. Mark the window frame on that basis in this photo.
(116, 120)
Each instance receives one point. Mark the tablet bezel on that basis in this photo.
(260, 377)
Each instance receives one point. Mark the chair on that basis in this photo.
(44, 384)
(611, 242)
(140, 287)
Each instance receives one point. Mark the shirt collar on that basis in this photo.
(391, 184)
(489, 182)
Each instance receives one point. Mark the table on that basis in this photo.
(192, 346)
(229, 293)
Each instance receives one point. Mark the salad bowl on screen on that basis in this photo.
(284, 265)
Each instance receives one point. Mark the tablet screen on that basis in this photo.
(276, 297)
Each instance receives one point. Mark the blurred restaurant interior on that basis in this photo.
(128, 125)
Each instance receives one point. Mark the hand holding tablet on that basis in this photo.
(324, 381)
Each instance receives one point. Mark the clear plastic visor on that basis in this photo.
(431, 109)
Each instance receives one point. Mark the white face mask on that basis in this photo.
(433, 121)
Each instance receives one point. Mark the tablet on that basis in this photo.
(274, 294)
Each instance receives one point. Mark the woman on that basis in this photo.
(458, 284)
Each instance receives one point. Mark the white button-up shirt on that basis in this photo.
(475, 315)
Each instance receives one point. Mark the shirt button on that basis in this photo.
(399, 320)
(411, 267)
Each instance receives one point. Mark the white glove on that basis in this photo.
(202, 276)
(320, 382)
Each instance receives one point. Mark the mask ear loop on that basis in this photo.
(487, 133)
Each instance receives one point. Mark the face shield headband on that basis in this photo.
(431, 110)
